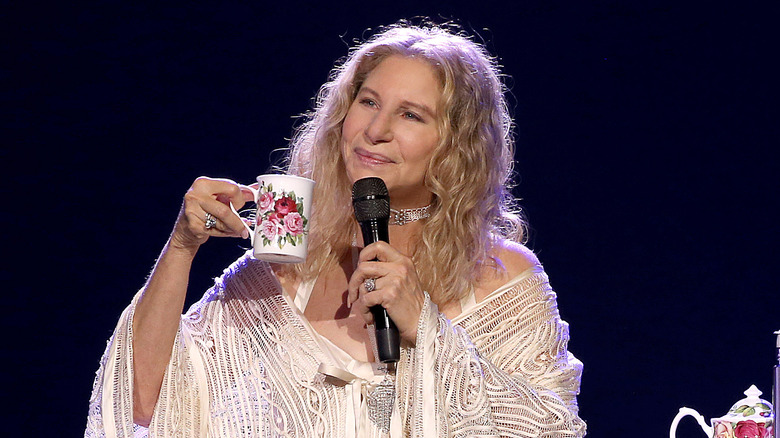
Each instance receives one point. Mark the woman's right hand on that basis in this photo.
(158, 312)
(214, 196)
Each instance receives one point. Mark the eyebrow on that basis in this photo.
(406, 103)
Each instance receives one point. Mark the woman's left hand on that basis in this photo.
(398, 289)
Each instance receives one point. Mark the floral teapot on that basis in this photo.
(750, 417)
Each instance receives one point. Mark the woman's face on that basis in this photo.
(391, 129)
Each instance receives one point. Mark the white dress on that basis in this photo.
(247, 363)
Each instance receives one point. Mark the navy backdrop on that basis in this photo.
(647, 160)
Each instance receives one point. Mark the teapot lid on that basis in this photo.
(750, 408)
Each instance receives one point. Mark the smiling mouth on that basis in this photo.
(371, 158)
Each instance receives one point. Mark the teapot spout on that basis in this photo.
(699, 418)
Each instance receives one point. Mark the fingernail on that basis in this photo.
(245, 234)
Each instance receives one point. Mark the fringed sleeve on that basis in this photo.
(111, 404)
(179, 410)
(503, 370)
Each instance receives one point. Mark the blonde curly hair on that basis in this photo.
(469, 174)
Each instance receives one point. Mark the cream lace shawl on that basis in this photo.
(245, 364)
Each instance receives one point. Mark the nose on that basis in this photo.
(379, 128)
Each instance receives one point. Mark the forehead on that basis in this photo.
(408, 77)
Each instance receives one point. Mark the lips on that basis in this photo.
(372, 158)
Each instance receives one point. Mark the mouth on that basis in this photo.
(371, 158)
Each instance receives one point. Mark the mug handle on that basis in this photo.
(248, 228)
(699, 418)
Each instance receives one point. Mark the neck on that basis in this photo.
(410, 198)
(403, 238)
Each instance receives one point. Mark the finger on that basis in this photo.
(376, 298)
(223, 190)
(214, 225)
(362, 304)
(353, 291)
(246, 191)
(231, 193)
(226, 192)
(375, 268)
(381, 251)
(356, 284)
(228, 223)
(369, 300)
(219, 229)
(366, 270)
(360, 309)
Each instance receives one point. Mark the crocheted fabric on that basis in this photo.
(245, 363)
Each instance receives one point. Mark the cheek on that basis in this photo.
(347, 134)
(423, 149)
(351, 124)
(344, 149)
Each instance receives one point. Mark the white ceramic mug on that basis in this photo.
(281, 233)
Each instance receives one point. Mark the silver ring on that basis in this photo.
(211, 221)
(369, 284)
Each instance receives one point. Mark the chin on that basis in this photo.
(366, 173)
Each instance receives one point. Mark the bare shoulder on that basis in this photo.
(515, 258)
(510, 260)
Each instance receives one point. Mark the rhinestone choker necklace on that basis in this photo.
(406, 215)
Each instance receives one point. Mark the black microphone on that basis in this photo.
(372, 211)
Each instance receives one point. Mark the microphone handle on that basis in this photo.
(388, 341)
(375, 230)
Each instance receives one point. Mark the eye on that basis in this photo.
(367, 101)
(408, 115)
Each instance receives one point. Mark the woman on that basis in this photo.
(285, 350)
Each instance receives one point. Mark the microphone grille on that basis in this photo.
(370, 199)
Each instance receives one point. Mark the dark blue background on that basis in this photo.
(647, 159)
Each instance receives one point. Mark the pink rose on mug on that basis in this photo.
(285, 205)
(293, 222)
(275, 218)
(750, 429)
(270, 229)
(265, 203)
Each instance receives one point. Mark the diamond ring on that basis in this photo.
(211, 221)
